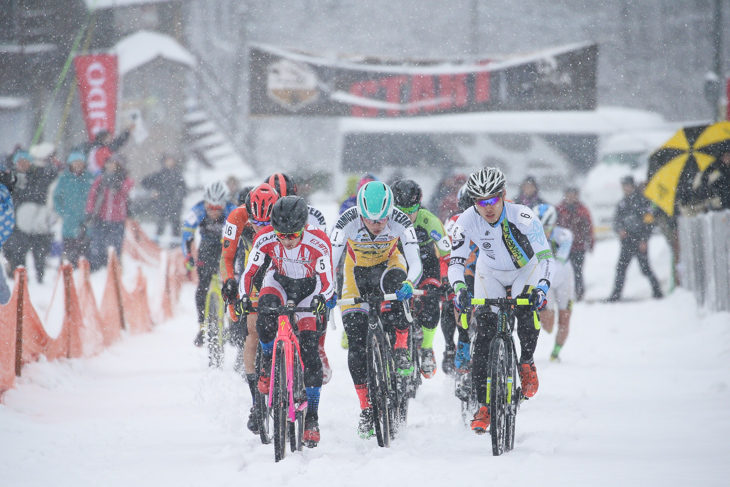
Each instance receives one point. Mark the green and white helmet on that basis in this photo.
(375, 200)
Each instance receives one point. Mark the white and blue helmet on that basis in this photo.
(375, 200)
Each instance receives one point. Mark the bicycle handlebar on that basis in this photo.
(500, 303)
(385, 297)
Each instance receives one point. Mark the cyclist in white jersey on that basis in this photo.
(562, 288)
(513, 254)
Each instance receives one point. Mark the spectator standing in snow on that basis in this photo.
(351, 199)
(715, 183)
(69, 201)
(633, 224)
(32, 216)
(106, 210)
(574, 215)
(529, 193)
(168, 192)
(7, 223)
(102, 147)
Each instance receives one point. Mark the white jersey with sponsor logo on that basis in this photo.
(516, 239)
(316, 219)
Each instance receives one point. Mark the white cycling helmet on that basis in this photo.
(216, 194)
(485, 182)
(548, 216)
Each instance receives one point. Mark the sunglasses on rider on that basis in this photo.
(257, 223)
(489, 201)
(289, 236)
(409, 210)
(376, 222)
(210, 207)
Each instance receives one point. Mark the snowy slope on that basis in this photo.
(641, 398)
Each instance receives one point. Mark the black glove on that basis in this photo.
(319, 304)
(230, 290)
(8, 179)
(243, 306)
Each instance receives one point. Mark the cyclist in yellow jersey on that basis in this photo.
(369, 234)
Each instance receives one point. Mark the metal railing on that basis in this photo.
(704, 250)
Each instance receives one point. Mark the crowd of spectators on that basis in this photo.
(88, 194)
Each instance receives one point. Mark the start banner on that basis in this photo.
(97, 76)
(288, 82)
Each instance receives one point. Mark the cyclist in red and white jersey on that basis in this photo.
(297, 261)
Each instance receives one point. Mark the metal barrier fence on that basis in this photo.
(704, 250)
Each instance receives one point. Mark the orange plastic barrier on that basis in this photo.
(111, 311)
(11, 315)
(91, 332)
(86, 329)
(136, 307)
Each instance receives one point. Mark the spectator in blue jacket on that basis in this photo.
(69, 200)
(7, 223)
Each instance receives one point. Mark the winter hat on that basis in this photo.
(42, 151)
(21, 154)
(76, 156)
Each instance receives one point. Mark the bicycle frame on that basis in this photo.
(286, 336)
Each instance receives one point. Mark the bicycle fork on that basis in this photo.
(285, 337)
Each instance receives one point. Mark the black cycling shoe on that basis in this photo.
(366, 429)
(200, 338)
(403, 362)
(448, 362)
(311, 432)
(252, 424)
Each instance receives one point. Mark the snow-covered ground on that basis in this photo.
(640, 398)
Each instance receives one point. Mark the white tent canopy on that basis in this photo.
(104, 4)
(602, 121)
(144, 46)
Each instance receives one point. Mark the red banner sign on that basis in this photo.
(97, 76)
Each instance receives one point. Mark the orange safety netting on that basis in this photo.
(86, 329)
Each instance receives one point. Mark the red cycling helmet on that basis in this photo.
(283, 184)
(260, 201)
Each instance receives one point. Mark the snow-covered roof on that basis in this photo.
(144, 46)
(603, 120)
(11, 102)
(102, 4)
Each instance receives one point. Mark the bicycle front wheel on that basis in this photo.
(280, 404)
(261, 408)
(378, 391)
(214, 328)
(497, 379)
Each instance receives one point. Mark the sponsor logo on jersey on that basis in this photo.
(401, 218)
(347, 217)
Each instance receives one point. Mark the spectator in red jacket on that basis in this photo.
(574, 215)
(106, 210)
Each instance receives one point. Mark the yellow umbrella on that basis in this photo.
(673, 166)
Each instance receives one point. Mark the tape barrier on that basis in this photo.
(86, 329)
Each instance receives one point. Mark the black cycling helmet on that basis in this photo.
(406, 193)
(465, 200)
(242, 195)
(289, 214)
(283, 184)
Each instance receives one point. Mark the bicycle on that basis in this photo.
(386, 390)
(287, 398)
(503, 394)
(214, 323)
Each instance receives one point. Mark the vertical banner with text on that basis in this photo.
(97, 76)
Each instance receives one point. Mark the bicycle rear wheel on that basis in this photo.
(497, 377)
(296, 429)
(261, 409)
(280, 404)
(214, 328)
(378, 391)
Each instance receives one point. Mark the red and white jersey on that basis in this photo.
(312, 258)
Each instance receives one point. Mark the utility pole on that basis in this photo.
(474, 27)
(715, 80)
